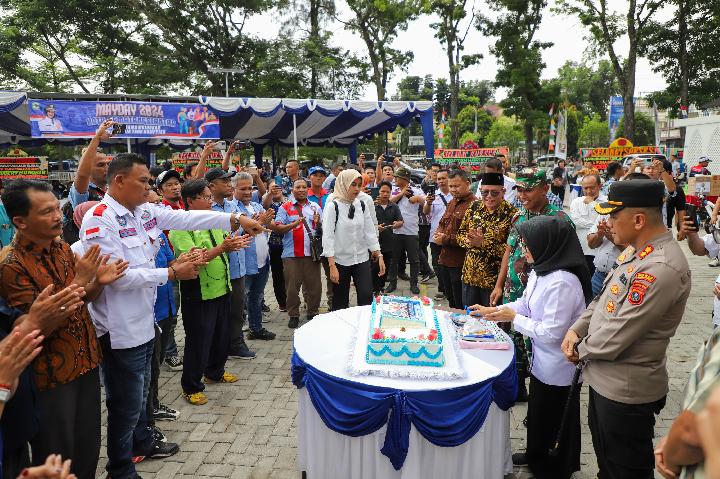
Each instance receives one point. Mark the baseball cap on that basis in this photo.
(402, 173)
(632, 193)
(166, 175)
(217, 173)
(704, 159)
(317, 169)
(530, 178)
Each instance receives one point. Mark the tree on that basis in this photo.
(588, 88)
(505, 131)
(475, 92)
(378, 24)
(466, 123)
(412, 88)
(520, 61)
(644, 129)
(593, 133)
(442, 97)
(607, 28)
(452, 36)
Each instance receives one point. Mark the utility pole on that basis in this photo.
(226, 71)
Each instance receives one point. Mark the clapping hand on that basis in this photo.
(193, 255)
(86, 266)
(110, 272)
(251, 226)
(235, 243)
(17, 350)
(265, 217)
(54, 468)
(50, 311)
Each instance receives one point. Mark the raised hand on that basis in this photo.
(102, 132)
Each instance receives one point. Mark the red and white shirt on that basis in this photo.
(296, 242)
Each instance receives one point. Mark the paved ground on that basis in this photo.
(247, 430)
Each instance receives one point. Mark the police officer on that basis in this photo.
(126, 226)
(625, 332)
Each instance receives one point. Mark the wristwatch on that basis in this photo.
(5, 393)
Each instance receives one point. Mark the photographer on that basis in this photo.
(435, 205)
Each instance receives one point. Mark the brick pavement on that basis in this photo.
(247, 430)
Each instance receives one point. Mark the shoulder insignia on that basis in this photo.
(637, 293)
(145, 215)
(645, 277)
(614, 289)
(629, 251)
(644, 253)
(122, 221)
(610, 307)
(630, 269)
(92, 231)
(100, 209)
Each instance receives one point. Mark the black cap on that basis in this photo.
(217, 173)
(166, 175)
(632, 194)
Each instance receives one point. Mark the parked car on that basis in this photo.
(647, 158)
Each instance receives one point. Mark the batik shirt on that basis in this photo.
(482, 265)
(518, 268)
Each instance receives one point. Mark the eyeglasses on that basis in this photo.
(492, 193)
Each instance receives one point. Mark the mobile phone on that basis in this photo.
(220, 145)
(278, 180)
(374, 192)
(119, 129)
(691, 211)
(390, 154)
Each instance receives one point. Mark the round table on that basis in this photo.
(324, 343)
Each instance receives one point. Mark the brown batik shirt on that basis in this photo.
(71, 350)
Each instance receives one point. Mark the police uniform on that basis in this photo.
(626, 331)
(123, 314)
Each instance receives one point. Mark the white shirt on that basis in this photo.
(510, 193)
(546, 310)
(606, 254)
(410, 212)
(369, 205)
(348, 240)
(713, 250)
(584, 216)
(328, 181)
(437, 210)
(125, 308)
(262, 247)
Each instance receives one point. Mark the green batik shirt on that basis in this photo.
(518, 268)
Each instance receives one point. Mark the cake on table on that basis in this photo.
(404, 331)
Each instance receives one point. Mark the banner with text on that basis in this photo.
(614, 115)
(469, 160)
(600, 157)
(180, 160)
(80, 119)
(29, 167)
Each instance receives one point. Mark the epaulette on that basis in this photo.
(100, 209)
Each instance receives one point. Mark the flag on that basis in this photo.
(561, 136)
(657, 125)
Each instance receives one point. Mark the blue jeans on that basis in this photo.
(255, 290)
(598, 278)
(126, 373)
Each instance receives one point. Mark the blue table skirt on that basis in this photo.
(446, 417)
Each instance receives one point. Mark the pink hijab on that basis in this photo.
(80, 211)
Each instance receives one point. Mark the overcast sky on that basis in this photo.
(566, 33)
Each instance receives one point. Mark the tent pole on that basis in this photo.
(129, 150)
(295, 136)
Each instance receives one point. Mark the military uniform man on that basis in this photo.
(627, 328)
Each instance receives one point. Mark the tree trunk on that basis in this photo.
(314, 40)
(529, 141)
(629, 74)
(683, 9)
(454, 89)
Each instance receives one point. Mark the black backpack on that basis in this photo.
(70, 232)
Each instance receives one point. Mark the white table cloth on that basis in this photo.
(324, 343)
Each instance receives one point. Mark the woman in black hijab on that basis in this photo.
(557, 292)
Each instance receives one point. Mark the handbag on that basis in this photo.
(316, 247)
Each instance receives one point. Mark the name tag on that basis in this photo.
(124, 233)
(150, 224)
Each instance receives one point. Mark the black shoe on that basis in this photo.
(293, 323)
(263, 334)
(174, 363)
(164, 413)
(439, 296)
(392, 286)
(519, 459)
(525, 421)
(162, 449)
(310, 317)
(522, 393)
(157, 434)
(426, 278)
(403, 276)
(414, 289)
(241, 352)
(265, 308)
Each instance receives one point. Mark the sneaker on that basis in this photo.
(390, 288)
(174, 363)
(403, 276)
(241, 352)
(439, 296)
(196, 399)
(283, 309)
(164, 413)
(263, 334)
(162, 449)
(426, 278)
(714, 263)
(225, 379)
(157, 434)
(519, 459)
(293, 323)
(414, 289)
(265, 308)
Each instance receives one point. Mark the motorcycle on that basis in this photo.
(704, 212)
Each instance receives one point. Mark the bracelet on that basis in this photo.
(174, 272)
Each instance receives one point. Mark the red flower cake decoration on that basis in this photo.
(378, 334)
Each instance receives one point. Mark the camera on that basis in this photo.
(220, 145)
(119, 129)
(428, 188)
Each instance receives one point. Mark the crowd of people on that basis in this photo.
(601, 286)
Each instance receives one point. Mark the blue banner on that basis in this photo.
(614, 116)
(80, 119)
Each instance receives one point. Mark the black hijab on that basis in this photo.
(554, 245)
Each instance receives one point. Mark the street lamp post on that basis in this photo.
(226, 71)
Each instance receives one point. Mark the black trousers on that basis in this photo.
(360, 273)
(70, 424)
(237, 312)
(423, 242)
(408, 244)
(435, 256)
(622, 436)
(379, 281)
(207, 341)
(278, 278)
(590, 260)
(475, 295)
(560, 191)
(545, 410)
(152, 399)
(452, 282)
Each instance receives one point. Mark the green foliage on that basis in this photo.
(588, 87)
(505, 131)
(644, 129)
(593, 133)
(466, 123)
